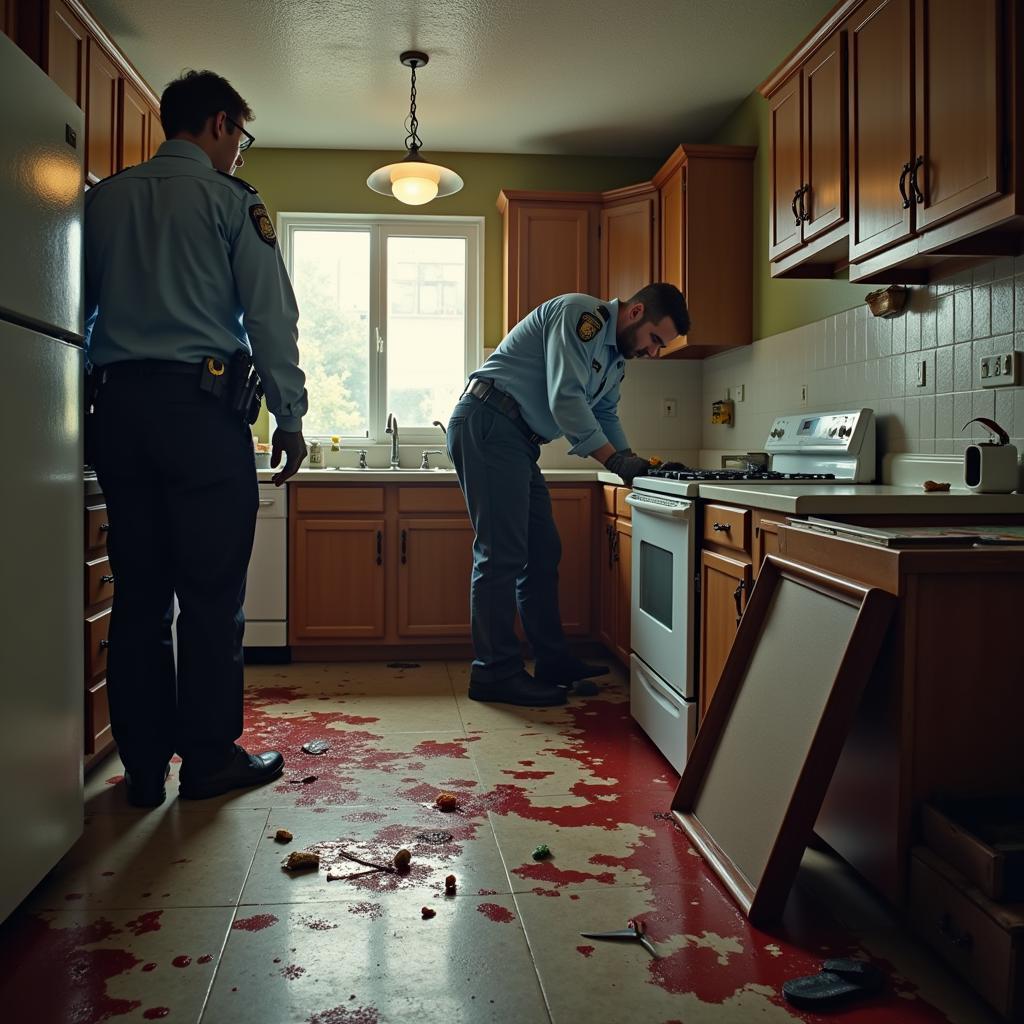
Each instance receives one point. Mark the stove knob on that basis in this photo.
(782, 431)
(832, 432)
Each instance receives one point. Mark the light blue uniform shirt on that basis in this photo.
(179, 265)
(562, 365)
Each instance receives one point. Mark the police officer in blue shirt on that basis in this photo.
(183, 282)
(558, 371)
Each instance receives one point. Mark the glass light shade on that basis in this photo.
(414, 181)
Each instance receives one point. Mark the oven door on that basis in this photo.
(661, 630)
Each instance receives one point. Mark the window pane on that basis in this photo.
(426, 328)
(331, 277)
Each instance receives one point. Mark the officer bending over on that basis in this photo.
(184, 283)
(558, 371)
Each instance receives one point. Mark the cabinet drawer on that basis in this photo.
(622, 510)
(96, 527)
(728, 527)
(97, 718)
(97, 629)
(984, 949)
(339, 498)
(431, 499)
(273, 502)
(99, 581)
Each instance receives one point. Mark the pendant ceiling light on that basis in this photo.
(412, 180)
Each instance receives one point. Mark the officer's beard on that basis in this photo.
(625, 339)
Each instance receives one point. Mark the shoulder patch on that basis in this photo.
(588, 326)
(240, 181)
(262, 223)
(605, 315)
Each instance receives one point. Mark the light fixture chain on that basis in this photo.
(412, 140)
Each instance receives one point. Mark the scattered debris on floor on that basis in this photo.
(302, 860)
(839, 982)
(305, 781)
(427, 913)
(282, 835)
(447, 801)
(403, 664)
(402, 860)
(316, 747)
(437, 838)
(542, 852)
(633, 932)
(449, 885)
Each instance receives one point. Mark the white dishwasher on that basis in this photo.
(266, 591)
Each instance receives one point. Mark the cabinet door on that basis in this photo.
(627, 248)
(824, 143)
(66, 52)
(785, 124)
(672, 225)
(608, 583)
(7, 18)
(724, 585)
(133, 137)
(570, 507)
(958, 126)
(881, 138)
(100, 115)
(336, 587)
(155, 131)
(435, 562)
(623, 586)
(766, 542)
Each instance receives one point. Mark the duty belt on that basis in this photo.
(484, 389)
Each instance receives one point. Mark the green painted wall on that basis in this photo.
(778, 305)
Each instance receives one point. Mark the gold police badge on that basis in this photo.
(263, 224)
(587, 327)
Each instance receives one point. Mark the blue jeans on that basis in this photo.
(517, 548)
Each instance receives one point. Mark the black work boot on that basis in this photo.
(242, 770)
(521, 689)
(146, 789)
(566, 671)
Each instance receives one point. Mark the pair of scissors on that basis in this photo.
(633, 932)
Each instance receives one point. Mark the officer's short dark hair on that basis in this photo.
(661, 300)
(190, 100)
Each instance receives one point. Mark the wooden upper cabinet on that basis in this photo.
(672, 225)
(959, 110)
(881, 129)
(155, 131)
(66, 51)
(822, 204)
(628, 236)
(133, 136)
(785, 132)
(550, 249)
(100, 114)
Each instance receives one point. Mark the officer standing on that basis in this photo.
(558, 371)
(184, 281)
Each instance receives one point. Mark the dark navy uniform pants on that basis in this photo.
(517, 548)
(179, 478)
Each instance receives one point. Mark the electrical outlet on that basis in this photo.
(738, 393)
(1001, 370)
(803, 394)
(668, 407)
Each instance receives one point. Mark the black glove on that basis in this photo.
(627, 465)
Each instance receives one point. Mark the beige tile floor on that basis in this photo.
(184, 913)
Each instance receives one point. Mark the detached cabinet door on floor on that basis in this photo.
(435, 561)
(338, 590)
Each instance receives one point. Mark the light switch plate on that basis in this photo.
(1000, 370)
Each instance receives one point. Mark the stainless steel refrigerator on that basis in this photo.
(41, 495)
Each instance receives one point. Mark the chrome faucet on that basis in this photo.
(392, 429)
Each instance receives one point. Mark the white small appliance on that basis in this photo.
(806, 449)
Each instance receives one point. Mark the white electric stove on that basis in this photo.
(816, 448)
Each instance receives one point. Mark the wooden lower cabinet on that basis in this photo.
(724, 587)
(435, 559)
(623, 588)
(571, 508)
(337, 579)
(765, 538)
(607, 583)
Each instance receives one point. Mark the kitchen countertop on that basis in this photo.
(348, 475)
(862, 499)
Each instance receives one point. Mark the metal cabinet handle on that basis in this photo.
(404, 559)
(915, 188)
(104, 644)
(804, 215)
(380, 548)
(792, 206)
(737, 596)
(264, 502)
(903, 190)
(722, 527)
(615, 544)
(106, 579)
(609, 532)
(949, 930)
(104, 527)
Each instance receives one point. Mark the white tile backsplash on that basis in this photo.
(854, 359)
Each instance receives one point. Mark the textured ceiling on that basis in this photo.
(519, 76)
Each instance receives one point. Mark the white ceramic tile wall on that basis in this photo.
(853, 359)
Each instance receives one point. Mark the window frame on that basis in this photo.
(380, 227)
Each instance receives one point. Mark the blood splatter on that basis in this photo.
(371, 910)
(156, 1013)
(292, 971)
(205, 958)
(496, 912)
(147, 922)
(346, 1015)
(256, 923)
(585, 950)
(182, 961)
(149, 967)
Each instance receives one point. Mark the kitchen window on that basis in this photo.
(390, 318)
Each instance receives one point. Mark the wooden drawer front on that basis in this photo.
(622, 510)
(608, 499)
(99, 581)
(728, 527)
(97, 629)
(96, 527)
(339, 498)
(969, 940)
(97, 718)
(431, 499)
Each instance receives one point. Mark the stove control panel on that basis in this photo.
(843, 431)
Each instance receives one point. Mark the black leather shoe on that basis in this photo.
(146, 789)
(243, 770)
(565, 672)
(522, 690)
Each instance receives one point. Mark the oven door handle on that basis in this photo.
(669, 508)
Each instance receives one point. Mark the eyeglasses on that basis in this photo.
(247, 140)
